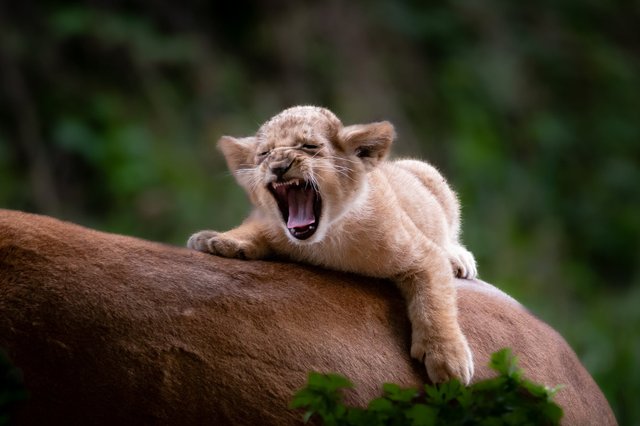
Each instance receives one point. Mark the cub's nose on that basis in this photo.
(280, 168)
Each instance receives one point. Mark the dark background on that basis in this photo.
(110, 110)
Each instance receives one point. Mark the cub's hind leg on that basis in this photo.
(433, 181)
(462, 261)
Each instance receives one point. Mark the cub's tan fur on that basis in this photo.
(325, 195)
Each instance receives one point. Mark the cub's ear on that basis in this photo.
(237, 151)
(370, 142)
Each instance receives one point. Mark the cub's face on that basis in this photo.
(304, 170)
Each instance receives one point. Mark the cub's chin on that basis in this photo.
(300, 206)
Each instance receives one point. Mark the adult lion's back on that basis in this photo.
(110, 329)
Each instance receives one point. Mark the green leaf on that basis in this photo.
(340, 411)
(330, 382)
(505, 363)
(391, 388)
(302, 398)
(422, 415)
(396, 393)
(336, 381)
(444, 392)
(433, 393)
(380, 404)
(316, 380)
(450, 390)
(358, 416)
(538, 391)
(307, 416)
(552, 412)
(465, 397)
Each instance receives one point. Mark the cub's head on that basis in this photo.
(304, 169)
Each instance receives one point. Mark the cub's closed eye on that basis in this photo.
(262, 154)
(309, 146)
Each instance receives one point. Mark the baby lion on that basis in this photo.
(324, 195)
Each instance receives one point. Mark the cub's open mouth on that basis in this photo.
(300, 205)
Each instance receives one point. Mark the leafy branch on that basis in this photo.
(508, 399)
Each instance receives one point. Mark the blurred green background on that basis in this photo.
(110, 111)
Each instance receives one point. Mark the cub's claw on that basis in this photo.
(445, 360)
(198, 241)
(215, 243)
(463, 263)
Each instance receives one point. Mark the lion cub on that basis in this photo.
(324, 194)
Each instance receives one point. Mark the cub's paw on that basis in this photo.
(445, 359)
(463, 263)
(216, 243)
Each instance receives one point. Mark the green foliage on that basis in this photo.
(11, 389)
(507, 399)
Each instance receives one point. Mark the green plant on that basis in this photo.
(508, 399)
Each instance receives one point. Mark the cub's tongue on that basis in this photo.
(300, 208)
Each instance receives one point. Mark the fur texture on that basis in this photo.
(109, 329)
(325, 195)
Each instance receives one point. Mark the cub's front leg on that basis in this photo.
(436, 337)
(244, 242)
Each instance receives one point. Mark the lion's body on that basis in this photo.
(109, 329)
(325, 195)
(392, 216)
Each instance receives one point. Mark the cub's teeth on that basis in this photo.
(288, 183)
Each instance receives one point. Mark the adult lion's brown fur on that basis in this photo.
(109, 329)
